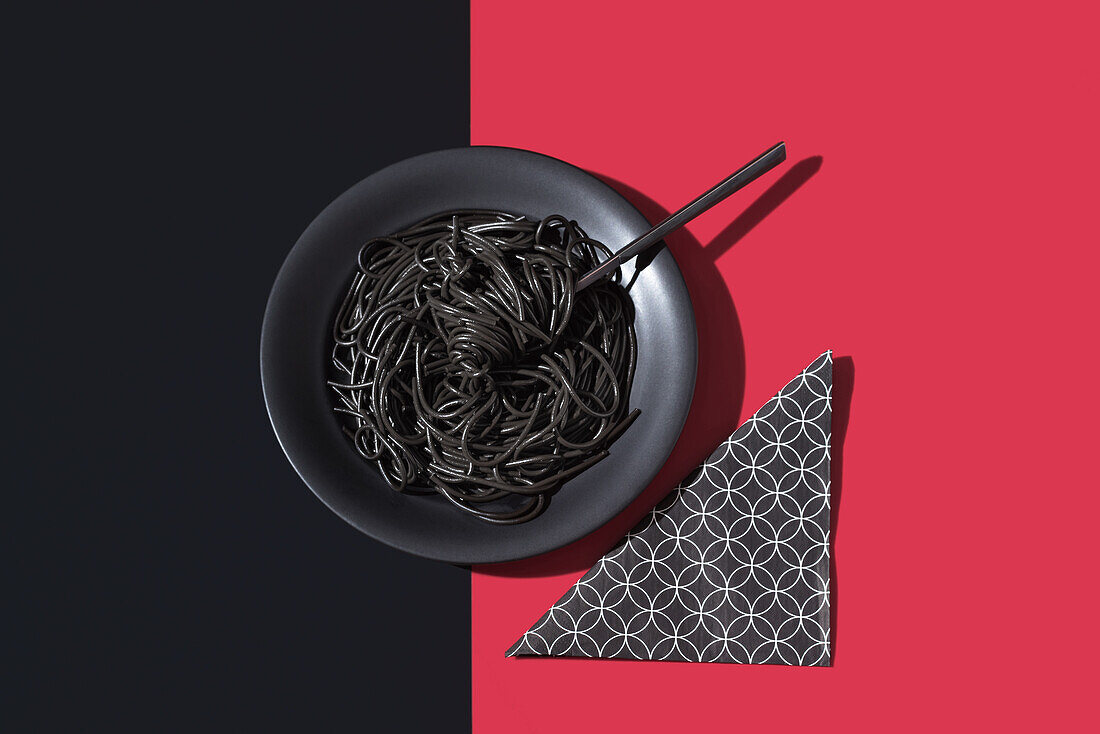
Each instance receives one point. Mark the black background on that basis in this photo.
(171, 571)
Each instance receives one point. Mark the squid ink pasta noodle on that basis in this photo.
(468, 366)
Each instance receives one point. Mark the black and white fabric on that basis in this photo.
(733, 566)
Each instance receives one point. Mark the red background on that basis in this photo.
(936, 223)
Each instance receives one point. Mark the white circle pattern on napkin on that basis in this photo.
(733, 566)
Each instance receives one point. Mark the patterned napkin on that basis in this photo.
(733, 566)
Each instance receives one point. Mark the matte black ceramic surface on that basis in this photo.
(295, 348)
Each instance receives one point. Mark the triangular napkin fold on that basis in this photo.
(733, 566)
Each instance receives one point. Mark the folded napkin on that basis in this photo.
(733, 566)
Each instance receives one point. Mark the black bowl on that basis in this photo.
(295, 347)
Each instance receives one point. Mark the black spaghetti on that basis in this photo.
(468, 365)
